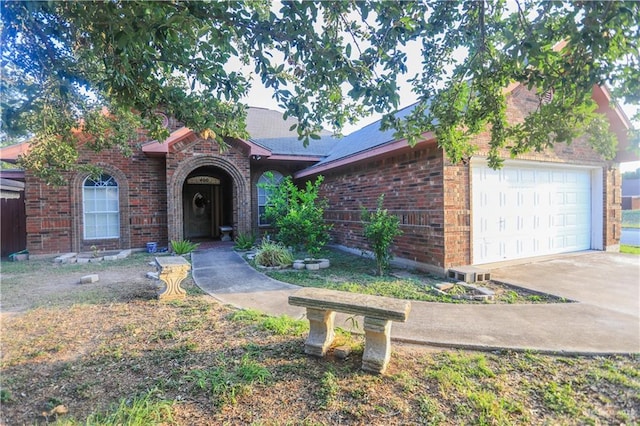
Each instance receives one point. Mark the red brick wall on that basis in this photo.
(457, 214)
(48, 211)
(147, 212)
(192, 153)
(54, 213)
(612, 209)
(523, 101)
(412, 182)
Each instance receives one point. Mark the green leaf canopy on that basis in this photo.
(327, 63)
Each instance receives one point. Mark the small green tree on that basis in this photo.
(380, 228)
(298, 214)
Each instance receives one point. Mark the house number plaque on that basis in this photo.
(203, 180)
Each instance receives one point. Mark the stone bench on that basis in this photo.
(322, 305)
(172, 270)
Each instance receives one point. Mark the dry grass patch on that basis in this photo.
(122, 357)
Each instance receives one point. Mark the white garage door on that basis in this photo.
(529, 210)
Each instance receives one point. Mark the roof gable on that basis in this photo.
(370, 139)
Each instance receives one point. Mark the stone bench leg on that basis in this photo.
(172, 277)
(377, 345)
(321, 332)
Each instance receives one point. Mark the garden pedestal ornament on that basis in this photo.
(226, 233)
(378, 312)
(172, 270)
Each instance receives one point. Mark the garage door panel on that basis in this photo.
(528, 176)
(528, 211)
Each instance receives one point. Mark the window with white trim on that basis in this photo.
(269, 177)
(101, 208)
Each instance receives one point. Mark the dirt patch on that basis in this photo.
(43, 282)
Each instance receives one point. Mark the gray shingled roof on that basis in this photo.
(265, 123)
(267, 129)
(294, 146)
(367, 138)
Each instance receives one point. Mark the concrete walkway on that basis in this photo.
(605, 319)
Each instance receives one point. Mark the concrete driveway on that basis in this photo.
(604, 319)
(607, 280)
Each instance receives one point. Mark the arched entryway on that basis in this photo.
(207, 203)
(206, 193)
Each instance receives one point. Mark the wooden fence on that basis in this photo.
(13, 231)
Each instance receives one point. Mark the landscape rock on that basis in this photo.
(124, 254)
(444, 286)
(342, 352)
(88, 279)
(66, 258)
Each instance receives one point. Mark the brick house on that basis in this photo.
(566, 199)
(630, 194)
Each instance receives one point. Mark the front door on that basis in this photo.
(202, 211)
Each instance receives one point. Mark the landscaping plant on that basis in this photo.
(380, 228)
(272, 254)
(298, 215)
(183, 246)
(245, 241)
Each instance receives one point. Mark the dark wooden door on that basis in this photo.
(14, 225)
(202, 210)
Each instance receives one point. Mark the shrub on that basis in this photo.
(298, 215)
(245, 241)
(272, 254)
(183, 246)
(380, 228)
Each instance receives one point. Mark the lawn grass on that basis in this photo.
(36, 264)
(349, 272)
(629, 249)
(134, 360)
(356, 274)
